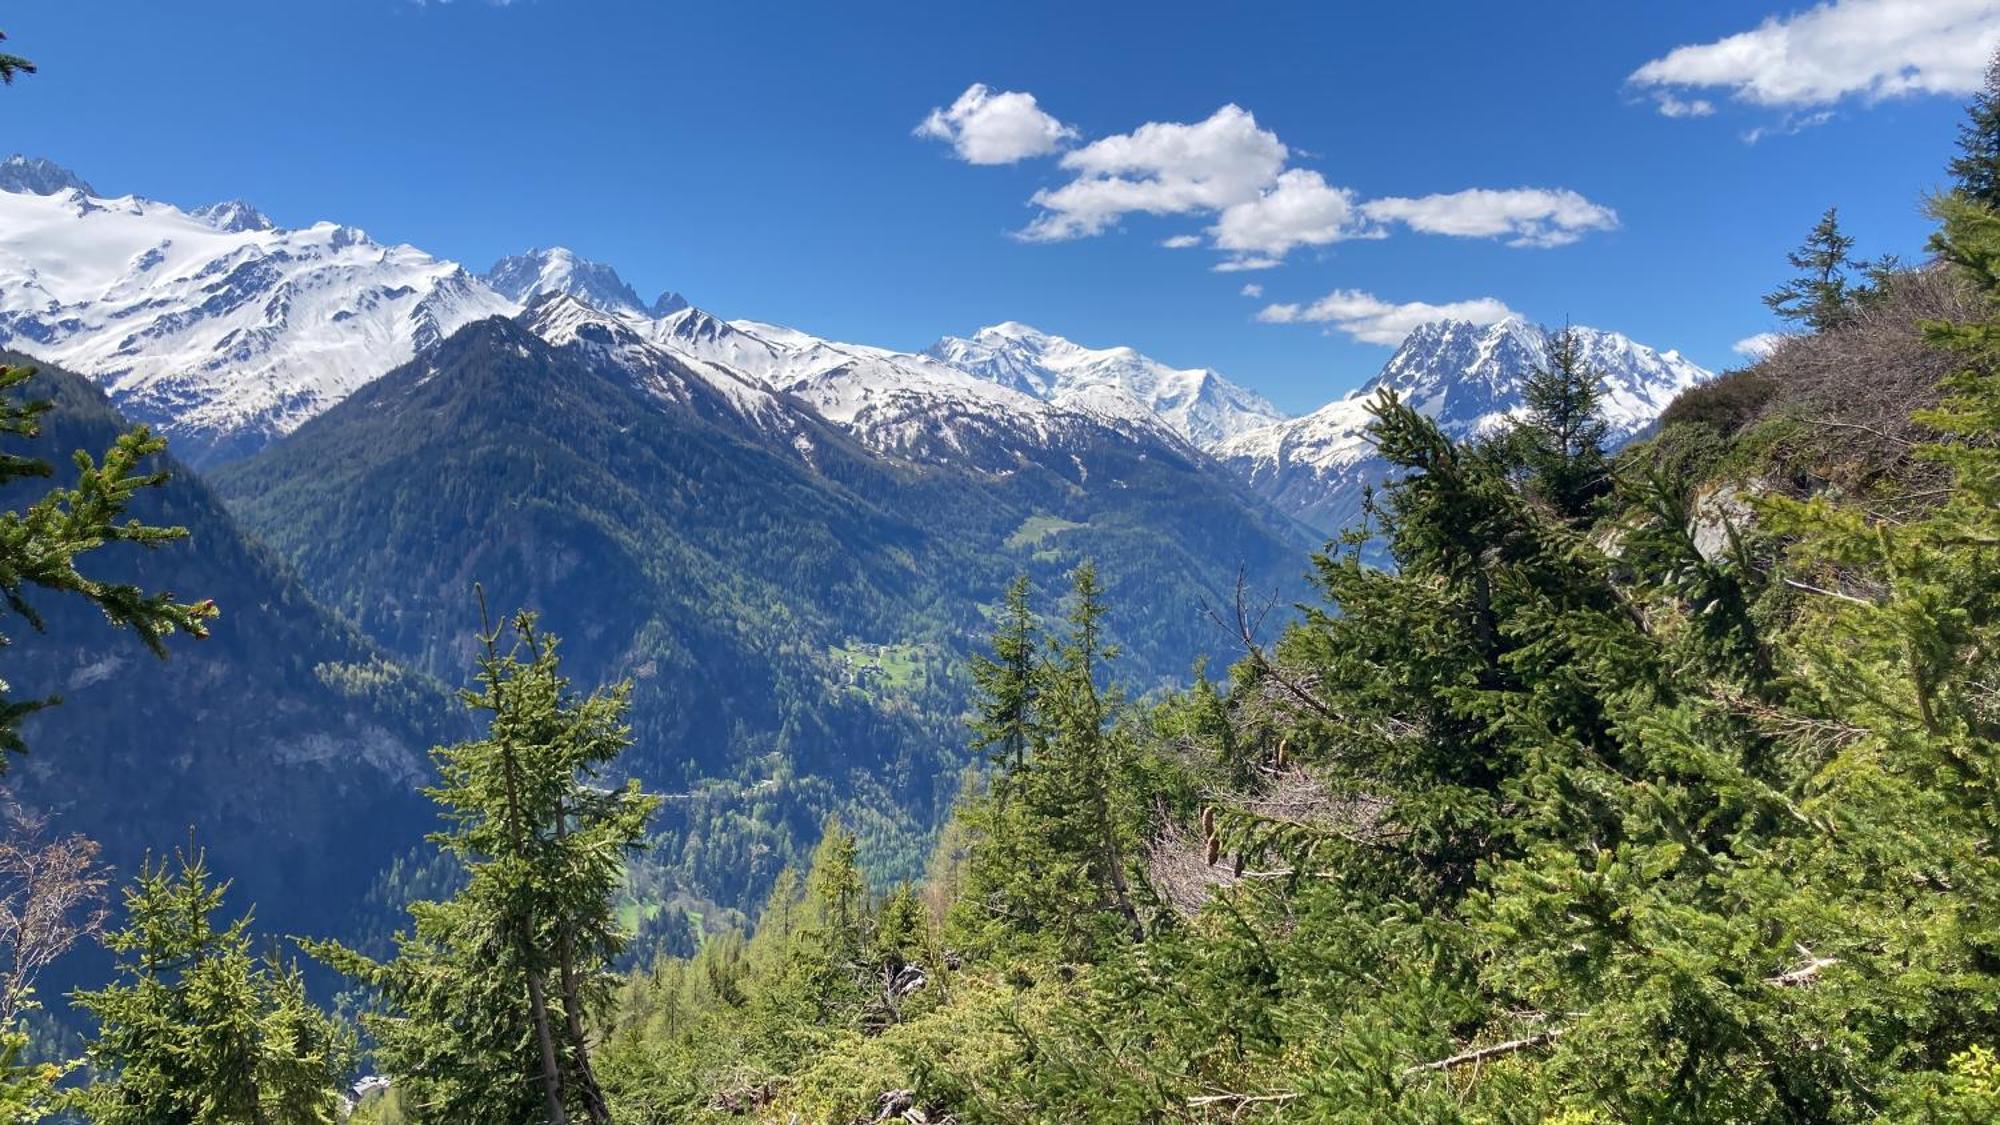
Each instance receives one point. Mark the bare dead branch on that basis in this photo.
(1467, 1058)
(1825, 593)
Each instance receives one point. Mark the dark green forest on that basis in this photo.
(1580, 785)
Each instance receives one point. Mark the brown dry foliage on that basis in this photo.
(52, 895)
(1849, 392)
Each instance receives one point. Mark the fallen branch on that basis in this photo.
(1811, 589)
(1236, 1099)
(1905, 443)
(1484, 1053)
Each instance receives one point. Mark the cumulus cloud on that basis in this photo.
(1238, 175)
(985, 127)
(1757, 347)
(1299, 209)
(1871, 49)
(1372, 320)
(1253, 290)
(1160, 168)
(1532, 216)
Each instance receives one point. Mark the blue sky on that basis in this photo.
(762, 157)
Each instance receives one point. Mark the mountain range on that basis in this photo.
(790, 544)
(227, 332)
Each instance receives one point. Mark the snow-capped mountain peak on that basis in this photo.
(35, 175)
(1198, 403)
(220, 333)
(557, 269)
(233, 215)
(1470, 378)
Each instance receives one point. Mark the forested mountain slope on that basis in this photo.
(792, 608)
(284, 743)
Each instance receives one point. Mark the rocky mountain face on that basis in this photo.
(1467, 376)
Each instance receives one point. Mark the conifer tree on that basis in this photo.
(815, 976)
(1083, 770)
(1976, 169)
(493, 997)
(200, 1031)
(11, 65)
(1562, 435)
(1819, 297)
(1004, 727)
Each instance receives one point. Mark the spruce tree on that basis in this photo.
(491, 1000)
(1562, 434)
(200, 1031)
(1975, 171)
(1005, 681)
(1084, 769)
(11, 65)
(1819, 297)
(813, 976)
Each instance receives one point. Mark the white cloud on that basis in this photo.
(1533, 216)
(1671, 106)
(1298, 209)
(1372, 320)
(1872, 49)
(1229, 169)
(1160, 168)
(1243, 262)
(1253, 290)
(1792, 123)
(1758, 346)
(985, 127)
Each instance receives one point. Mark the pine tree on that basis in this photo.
(200, 1031)
(11, 65)
(40, 545)
(1976, 170)
(1819, 297)
(1562, 435)
(814, 977)
(1005, 725)
(493, 997)
(1085, 761)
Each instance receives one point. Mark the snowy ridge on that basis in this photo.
(1469, 378)
(1198, 403)
(226, 331)
(901, 404)
(217, 328)
(717, 393)
(786, 382)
